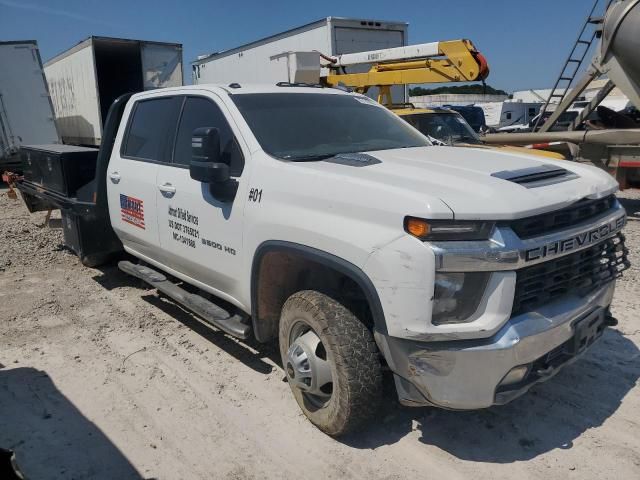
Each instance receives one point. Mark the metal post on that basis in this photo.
(569, 98)
(595, 101)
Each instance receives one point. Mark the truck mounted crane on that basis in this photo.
(435, 62)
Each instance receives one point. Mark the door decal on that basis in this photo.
(132, 211)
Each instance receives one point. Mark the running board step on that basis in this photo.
(209, 311)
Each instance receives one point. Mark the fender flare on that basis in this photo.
(323, 258)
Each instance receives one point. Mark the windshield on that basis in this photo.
(473, 115)
(309, 126)
(449, 128)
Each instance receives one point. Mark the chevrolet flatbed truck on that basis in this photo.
(325, 222)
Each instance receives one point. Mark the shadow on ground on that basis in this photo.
(552, 415)
(50, 436)
(632, 206)
(249, 352)
(111, 277)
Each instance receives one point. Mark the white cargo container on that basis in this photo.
(86, 79)
(504, 114)
(263, 60)
(26, 114)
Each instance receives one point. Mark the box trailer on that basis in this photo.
(87, 78)
(26, 113)
(263, 60)
(504, 114)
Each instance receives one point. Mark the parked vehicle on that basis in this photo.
(326, 222)
(26, 113)
(562, 123)
(505, 114)
(86, 79)
(448, 127)
(473, 114)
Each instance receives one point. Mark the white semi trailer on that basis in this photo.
(268, 57)
(26, 114)
(86, 79)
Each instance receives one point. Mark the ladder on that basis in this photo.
(588, 33)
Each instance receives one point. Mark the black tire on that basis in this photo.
(352, 354)
(93, 261)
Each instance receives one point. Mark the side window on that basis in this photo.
(149, 128)
(201, 112)
(508, 115)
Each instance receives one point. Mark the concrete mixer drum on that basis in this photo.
(620, 46)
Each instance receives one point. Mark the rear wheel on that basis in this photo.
(331, 362)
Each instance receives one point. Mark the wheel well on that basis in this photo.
(279, 273)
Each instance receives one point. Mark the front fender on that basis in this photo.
(264, 332)
(403, 273)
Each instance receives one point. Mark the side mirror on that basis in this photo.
(209, 172)
(206, 165)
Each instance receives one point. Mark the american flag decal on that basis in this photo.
(132, 211)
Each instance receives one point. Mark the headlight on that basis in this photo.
(448, 229)
(457, 295)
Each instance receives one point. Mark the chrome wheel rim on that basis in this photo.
(308, 367)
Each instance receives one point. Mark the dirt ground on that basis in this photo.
(100, 378)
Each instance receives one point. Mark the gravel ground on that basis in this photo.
(101, 378)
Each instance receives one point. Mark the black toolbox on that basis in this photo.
(91, 239)
(64, 177)
(59, 168)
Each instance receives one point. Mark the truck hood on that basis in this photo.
(475, 183)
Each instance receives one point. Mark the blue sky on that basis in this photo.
(524, 41)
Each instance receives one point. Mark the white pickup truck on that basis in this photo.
(319, 218)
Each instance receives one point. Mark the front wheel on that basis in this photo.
(331, 362)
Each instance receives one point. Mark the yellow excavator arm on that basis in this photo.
(438, 62)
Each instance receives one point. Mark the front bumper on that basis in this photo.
(467, 374)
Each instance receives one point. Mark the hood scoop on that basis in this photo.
(538, 176)
(354, 159)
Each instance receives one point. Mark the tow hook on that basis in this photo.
(610, 320)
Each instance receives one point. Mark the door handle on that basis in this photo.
(115, 177)
(167, 188)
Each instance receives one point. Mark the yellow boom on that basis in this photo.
(450, 61)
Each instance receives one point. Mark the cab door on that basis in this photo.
(132, 170)
(201, 234)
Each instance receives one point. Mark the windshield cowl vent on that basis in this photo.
(539, 176)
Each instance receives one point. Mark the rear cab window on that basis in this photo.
(150, 129)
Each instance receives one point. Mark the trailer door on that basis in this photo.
(26, 115)
(161, 65)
